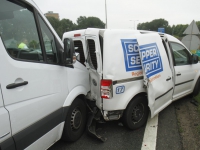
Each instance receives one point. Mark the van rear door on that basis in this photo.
(94, 66)
(156, 70)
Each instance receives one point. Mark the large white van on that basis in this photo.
(42, 88)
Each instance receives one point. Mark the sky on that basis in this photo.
(125, 14)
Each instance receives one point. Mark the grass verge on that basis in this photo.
(197, 98)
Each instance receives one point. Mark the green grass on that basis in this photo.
(180, 129)
(198, 128)
(197, 98)
(179, 126)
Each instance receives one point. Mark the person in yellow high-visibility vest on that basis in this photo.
(23, 45)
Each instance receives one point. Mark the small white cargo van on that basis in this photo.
(132, 72)
(42, 88)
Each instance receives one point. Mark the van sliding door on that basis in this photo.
(156, 71)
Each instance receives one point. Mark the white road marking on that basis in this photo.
(150, 134)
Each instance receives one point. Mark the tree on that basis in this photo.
(90, 22)
(54, 22)
(198, 24)
(179, 29)
(65, 25)
(154, 25)
(62, 25)
(83, 22)
(176, 30)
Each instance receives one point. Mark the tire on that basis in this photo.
(196, 88)
(75, 121)
(136, 114)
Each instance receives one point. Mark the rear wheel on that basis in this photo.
(136, 113)
(75, 121)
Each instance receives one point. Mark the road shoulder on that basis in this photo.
(168, 137)
(188, 123)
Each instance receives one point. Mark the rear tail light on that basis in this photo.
(106, 89)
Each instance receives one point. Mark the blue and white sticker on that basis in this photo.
(151, 60)
(131, 54)
(120, 89)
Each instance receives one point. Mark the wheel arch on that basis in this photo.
(78, 91)
(139, 94)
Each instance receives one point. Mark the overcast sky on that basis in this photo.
(120, 12)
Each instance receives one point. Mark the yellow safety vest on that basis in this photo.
(22, 46)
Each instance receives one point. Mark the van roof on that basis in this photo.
(82, 32)
(96, 31)
(72, 33)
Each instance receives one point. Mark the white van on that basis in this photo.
(42, 88)
(133, 71)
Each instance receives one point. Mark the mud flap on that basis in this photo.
(91, 125)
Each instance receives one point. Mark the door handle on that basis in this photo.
(14, 85)
(4, 135)
(178, 74)
(169, 78)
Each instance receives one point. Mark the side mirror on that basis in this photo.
(195, 59)
(69, 53)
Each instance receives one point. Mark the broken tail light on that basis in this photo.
(106, 89)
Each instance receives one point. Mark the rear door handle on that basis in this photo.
(14, 85)
(169, 78)
(178, 74)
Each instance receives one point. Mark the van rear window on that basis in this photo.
(92, 60)
(79, 49)
(101, 45)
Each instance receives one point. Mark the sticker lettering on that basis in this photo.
(138, 73)
(151, 60)
(154, 78)
(131, 54)
(120, 89)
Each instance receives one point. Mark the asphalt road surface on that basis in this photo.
(120, 138)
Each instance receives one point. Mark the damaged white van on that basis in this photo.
(132, 72)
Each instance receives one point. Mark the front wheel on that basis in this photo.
(136, 113)
(75, 121)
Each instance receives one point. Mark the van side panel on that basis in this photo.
(5, 132)
(46, 140)
(6, 140)
(78, 76)
(118, 65)
(121, 98)
(78, 82)
(116, 59)
(44, 94)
